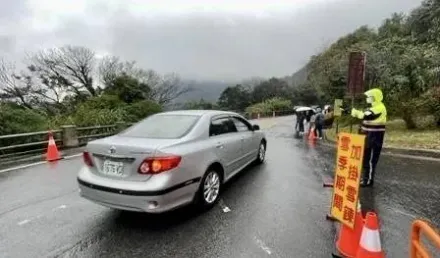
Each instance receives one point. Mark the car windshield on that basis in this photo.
(162, 127)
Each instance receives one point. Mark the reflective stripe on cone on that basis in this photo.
(370, 244)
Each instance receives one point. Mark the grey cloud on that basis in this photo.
(7, 43)
(202, 46)
(11, 11)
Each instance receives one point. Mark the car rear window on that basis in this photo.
(162, 127)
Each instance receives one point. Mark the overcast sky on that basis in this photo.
(226, 41)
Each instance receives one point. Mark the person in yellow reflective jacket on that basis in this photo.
(373, 126)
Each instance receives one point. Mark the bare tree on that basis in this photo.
(164, 89)
(69, 66)
(169, 88)
(30, 89)
(109, 69)
(49, 90)
(15, 87)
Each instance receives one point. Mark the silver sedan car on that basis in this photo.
(169, 160)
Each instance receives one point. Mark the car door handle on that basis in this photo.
(219, 146)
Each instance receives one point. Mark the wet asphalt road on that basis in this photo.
(277, 210)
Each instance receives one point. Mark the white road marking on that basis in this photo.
(263, 246)
(411, 156)
(23, 222)
(225, 208)
(35, 164)
(60, 207)
(73, 156)
(21, 167)
(403, 212)
(26, 221)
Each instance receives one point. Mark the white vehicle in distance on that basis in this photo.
(169, 160)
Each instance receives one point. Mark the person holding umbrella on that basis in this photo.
(301, 117)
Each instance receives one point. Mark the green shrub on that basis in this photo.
(90, 117)
(140, 110)
(16, 119)
(270, 105)
(104, 101)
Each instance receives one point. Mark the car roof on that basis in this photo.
(198, 112)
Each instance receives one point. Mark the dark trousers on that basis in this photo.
(318, 130)
(300, 125)
(373, 147)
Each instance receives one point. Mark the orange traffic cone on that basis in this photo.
(52, 150)
(369, 246)
(348, 240)
(312, 133)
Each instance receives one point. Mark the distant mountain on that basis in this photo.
(208, 90)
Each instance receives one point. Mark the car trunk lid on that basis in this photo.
(119, 157)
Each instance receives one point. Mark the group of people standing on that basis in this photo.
(312, 120)
(372, 124)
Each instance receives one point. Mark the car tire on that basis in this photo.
(211, 183)
(261, 154)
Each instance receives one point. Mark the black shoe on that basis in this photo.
(364, 183)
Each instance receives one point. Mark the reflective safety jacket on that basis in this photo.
(375, 117)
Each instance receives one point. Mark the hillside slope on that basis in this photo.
(298, 77)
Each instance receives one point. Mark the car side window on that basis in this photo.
(221, 126)
(241, 125)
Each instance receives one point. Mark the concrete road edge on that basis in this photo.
(408, 152)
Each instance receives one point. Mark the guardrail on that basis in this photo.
(417, 249)
(24, 144)
(258, 115)
(18, 146)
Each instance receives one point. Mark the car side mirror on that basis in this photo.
(255, 127)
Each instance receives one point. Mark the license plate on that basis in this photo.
(113, 168)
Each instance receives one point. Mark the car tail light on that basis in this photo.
(158, 165)
(87, 159)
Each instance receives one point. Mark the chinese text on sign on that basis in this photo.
(347, 176)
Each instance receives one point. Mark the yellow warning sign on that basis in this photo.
(347, 176)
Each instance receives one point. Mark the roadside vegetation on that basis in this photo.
(403, 59)
(71, 85)
(398, 136)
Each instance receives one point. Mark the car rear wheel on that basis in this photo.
(209, 192)
(261, 153)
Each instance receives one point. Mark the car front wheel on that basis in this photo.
(209, 192)
(261, 153)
